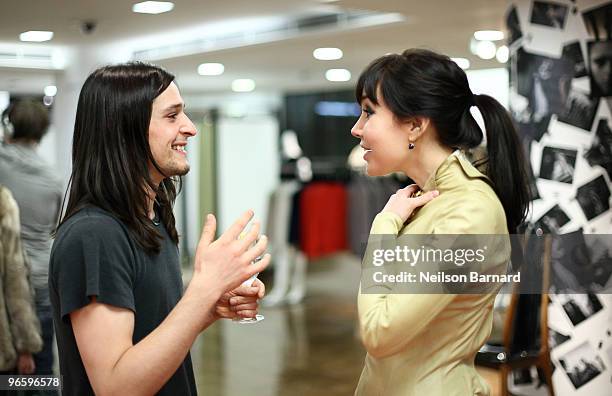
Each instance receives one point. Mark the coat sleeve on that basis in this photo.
(24, 325)
(388, 322)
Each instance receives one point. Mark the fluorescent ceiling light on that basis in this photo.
(503, 54)
(486, 50)
(50, 90)
(36, 35)
(338, 75)
(327, 53)
(152, 7)
(211, 69)
(462, 62)
(243, 85)
(489, 35)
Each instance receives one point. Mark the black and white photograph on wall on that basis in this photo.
(579, 110)
(555, 338)
(552, 221)
(582, 364)
(600, 268)
(579, 306)
(600, 66)
(514, 27)
(533, 187)
(600, 152)
(548, 13)
(598, 22)
(581, 263)
(545, 83)
(574, 52)
(558, 164)
(594, 197)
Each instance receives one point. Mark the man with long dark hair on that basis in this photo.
(123, 324)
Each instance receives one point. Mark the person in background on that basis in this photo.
(38, 192)
(19, 327)
(416, 119)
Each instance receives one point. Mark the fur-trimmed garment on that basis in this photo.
(19, 327)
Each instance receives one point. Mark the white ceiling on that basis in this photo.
(281, 65)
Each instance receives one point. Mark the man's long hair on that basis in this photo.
(110, 151)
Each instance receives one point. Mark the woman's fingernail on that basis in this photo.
(435, 193)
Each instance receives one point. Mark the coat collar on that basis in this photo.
(454, 169)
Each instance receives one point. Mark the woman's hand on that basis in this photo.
(402, 204)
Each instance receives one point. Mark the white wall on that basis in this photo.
(248, 166)
(492, 82)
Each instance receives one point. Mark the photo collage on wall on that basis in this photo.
(563, 93)
(561, 103)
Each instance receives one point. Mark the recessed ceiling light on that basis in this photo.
(211, 69)
(36, 35)
(462, 62)
(486, 50)
(243, 85)
(152, 7)
(327, 53)
(489, 35)
(503, 54)
(50, 90)
(338, 75)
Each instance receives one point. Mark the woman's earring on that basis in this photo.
(410, 146)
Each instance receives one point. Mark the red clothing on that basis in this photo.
(323, 207)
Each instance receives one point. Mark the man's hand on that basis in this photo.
(240, 302)
(25, 364)
(225, 263)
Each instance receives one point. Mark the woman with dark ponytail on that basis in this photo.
(416, 118)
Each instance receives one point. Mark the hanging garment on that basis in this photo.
(323, 219)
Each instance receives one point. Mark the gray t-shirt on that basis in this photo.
(94, 255)
(38, 192)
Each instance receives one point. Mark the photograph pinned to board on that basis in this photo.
(598, 21)
(579, 110)
(513, 25)
(545, 83)
(581, 263)
(573, 52)
(582, 364)
(533, 187)
(552, 221)
(600, 66)
(600, 151)
(548, 13)
(600, 268)
(558, 164)
(579, 306)
(594, 197)
(555, 338)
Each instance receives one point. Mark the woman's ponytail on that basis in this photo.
(506, 162)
